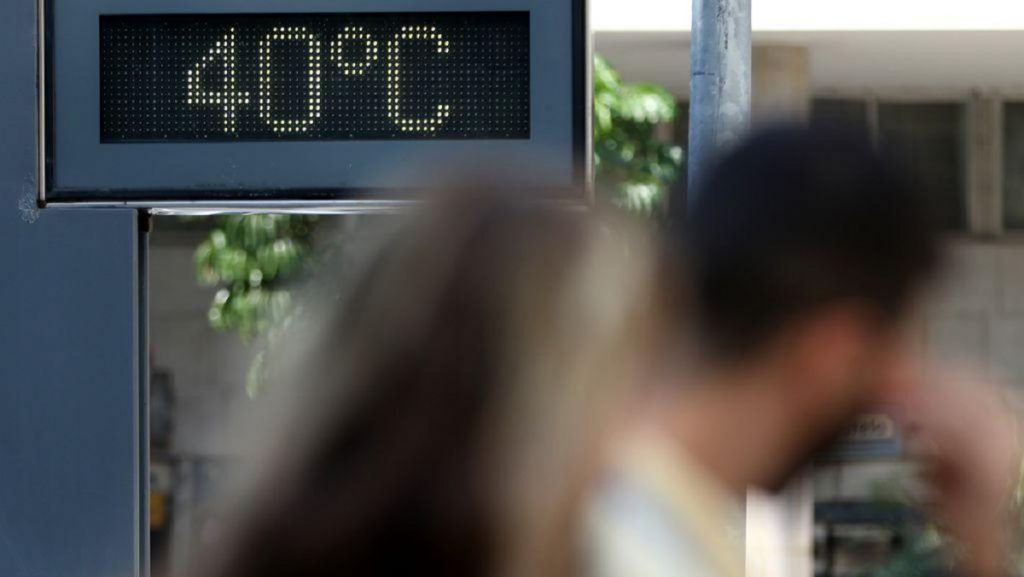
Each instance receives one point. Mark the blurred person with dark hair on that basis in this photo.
(809, 253)
(450, 412)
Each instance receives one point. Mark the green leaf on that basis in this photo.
(631, 163)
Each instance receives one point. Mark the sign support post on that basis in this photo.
(720, 80)
(74, 364)
(71, 360)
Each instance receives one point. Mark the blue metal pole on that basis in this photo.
(720, 79)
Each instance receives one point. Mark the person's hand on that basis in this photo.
(964, 429)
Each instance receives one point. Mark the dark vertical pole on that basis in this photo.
(71, 490)
(145, 226)
(720, 78)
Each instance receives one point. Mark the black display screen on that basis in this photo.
(315, 77)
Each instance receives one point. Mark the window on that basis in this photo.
(847, 114)
(1013, 165)
(929, 139)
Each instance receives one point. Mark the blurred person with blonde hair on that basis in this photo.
(451, 411)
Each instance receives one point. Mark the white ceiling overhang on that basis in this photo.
(819, 15)
(933, 47)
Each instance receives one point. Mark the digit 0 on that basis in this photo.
(286, 33)
(394, 79)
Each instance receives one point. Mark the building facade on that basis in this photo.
(938, 83)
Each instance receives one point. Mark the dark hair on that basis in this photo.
(796, 218)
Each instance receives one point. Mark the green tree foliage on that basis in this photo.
(926, 552)
(631, 163)
(254, 259)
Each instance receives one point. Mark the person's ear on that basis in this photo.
(829, 350)
(905, 370)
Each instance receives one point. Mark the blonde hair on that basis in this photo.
(455, 403)
(579, 356)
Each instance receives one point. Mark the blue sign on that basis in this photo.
(872, 437)
(193, 103)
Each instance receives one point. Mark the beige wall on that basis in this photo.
(781, 83)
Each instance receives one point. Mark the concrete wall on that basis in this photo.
(208, 367)
(979, 313)
(207, 371)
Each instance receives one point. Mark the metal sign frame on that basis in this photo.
(230, 195)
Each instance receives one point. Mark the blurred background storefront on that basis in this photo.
(938, 85)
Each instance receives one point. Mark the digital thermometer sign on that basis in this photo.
(315, 77)
(307, 104)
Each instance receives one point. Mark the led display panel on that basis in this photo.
(310, 105)
(315, 77)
